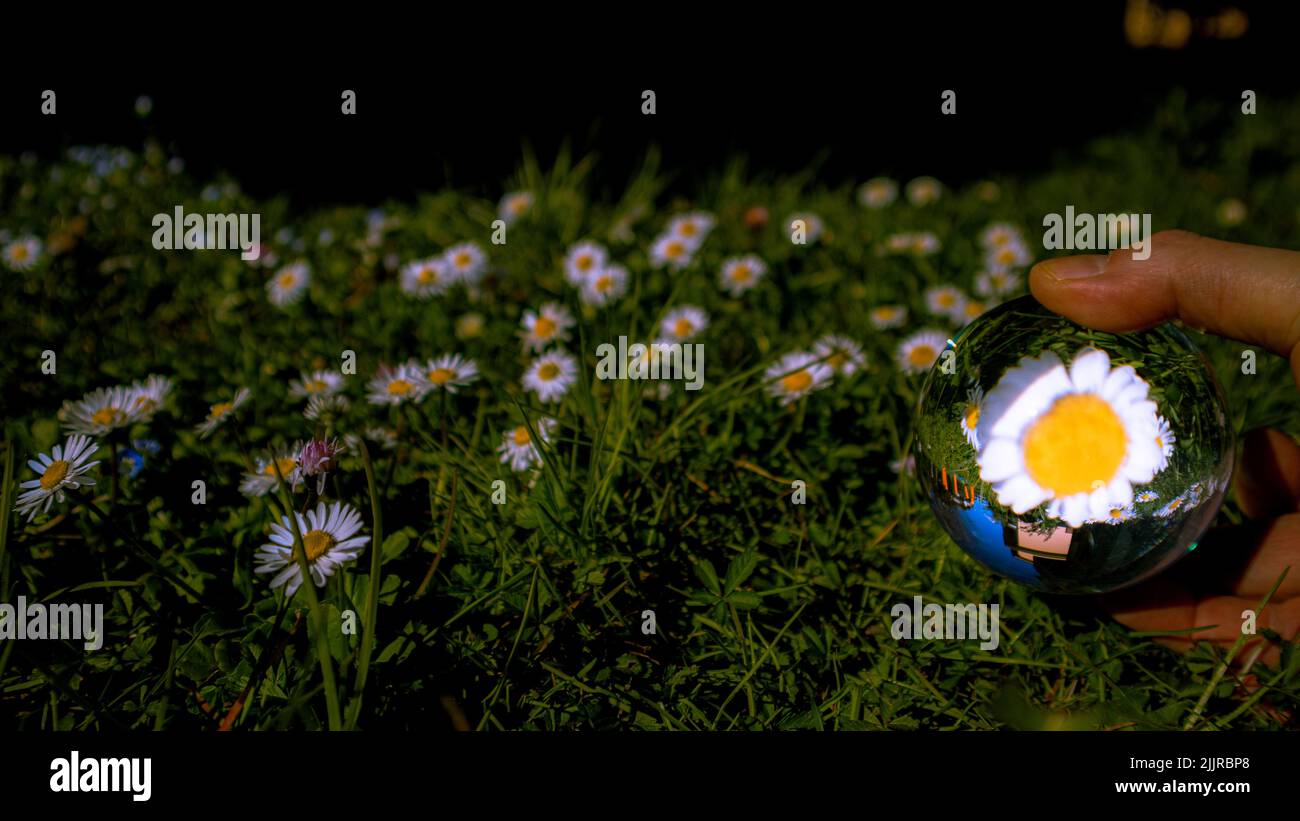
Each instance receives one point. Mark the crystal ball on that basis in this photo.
(1068, 459)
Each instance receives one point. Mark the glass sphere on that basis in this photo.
(1068, 459)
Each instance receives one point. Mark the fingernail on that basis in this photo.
(1075, 267)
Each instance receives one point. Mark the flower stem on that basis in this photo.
(372, 590)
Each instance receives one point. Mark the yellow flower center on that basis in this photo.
(145, 404)
(106, 416)
(548, 371)
(674, 250)
(946, 299)
(286, 466)
(399, 387)
(974, 309)
(1116, 512)
(287, 279)
(441, 376)
(921, 355)
(544, 327)
(604, 283)
(687, 229)
(740, 273)
(315, 385)
(220, 409)
(317, 544)
(20, 253)
(683, 327)
(462, 259)
(521, 436)
(517, 205)
(1006, 255)
(1079, 441)
(54, 474)
(972, 416)
(838, 360)
(584, 262)
(797, 381)
(1160, 442)
(426, 276)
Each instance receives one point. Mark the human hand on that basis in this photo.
(1243, 292)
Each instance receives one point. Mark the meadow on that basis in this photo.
(499, 538)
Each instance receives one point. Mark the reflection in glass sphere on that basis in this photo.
(1068, 459)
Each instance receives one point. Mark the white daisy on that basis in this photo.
(691, 228)
(1165, 440)
(878, 192)
(998, 234)
(842, 354)
(921, 350)
(582, 260)
(329, 539)
(466, 261)
(551, 375)
(426, 277)
(265, 480)
(812, 226)
(23, 253)
(1078, 438)
(1231, 212)
(997, 282)
(1147, 496)
(322, 405)
(289, 284)
(316, 383)
(64, 469)
(796, 375)
(514, 205)
(924, 190)
(1175, 504)
(221, 411)
(681, 324)
(1117, 514)
(520, 450)
(605, 285)
(670, 251)
(887, 316)
(545, 327)
(469, 326)
(100, 411)
(150, 396)
(924, 243)
(393, 386)
(449, 373)
(739, 274)
(944, 300)
(970, 415)
(1010, 255)
(970, 310)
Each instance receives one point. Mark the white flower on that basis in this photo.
(971, 310)
(878, 192)
(520, 449)
(514, 205)
(1175, 504)
(466, 261)
(673, 252)
(426, 277)
(1010, 255)
(551, 375)
(887, 316)
(739, 274)
(945, 301)
(323, 404)
(1231, 212)
(1165, 440)
(996, 282)
(221, 411)
(549, 325)
(265, 480)
(1078, 438)
(100, 411)
(924, 243)
(322, 383)
(998, 234)
(924, 190)
(681, 324)
(921, 350)
(393, 386)
(691, 228)
(842, 354)
(1117, 514)
(289, 284)
(796, 375)
(150, 396)
(64, 469)
(1147, 496)
(449, 373)
(970, 416)
(23, 253)
(605, 285)
(812, 226)
(582, 260)
(328, 538)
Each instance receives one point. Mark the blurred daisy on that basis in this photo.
(1176, 504)
(393, 386)
(551, 375)
(605, 285)
(150, 396)
(324, 406)
(921, 350)
(680, 324)
(887, 316)
(514, 205)
(520, 450)
(289, 284)
(1232, 212)
(23, 253)
(1077, 437)
(691, 228)
(220, 412)
(739, 274)
(673, 252)
(843, 355)
(265, 480)
(944, 300)
(466, 261)
(317, 458)
(582, 260)
(64, 469)
(1147, 496)
(1011, 255)
(100, 411)
(322, 383)
(1117, 514)
(1165, 440)
(997, 282)
(924, 243)
(812, 226)
(329, 540)
(924, 190)
(425, 277)
(796, 375)
(549, 325)
(998, 234)
(970, 416)
(878, 192)
(449, 373)
(970, 310)
(904, 466)
(469, 326)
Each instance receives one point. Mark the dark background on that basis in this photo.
(788, 89)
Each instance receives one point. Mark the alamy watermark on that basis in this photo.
(946, 621)
(658, 360)
(194, 232)
(38, 621)
(1098, 232)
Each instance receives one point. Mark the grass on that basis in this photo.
(529, 614)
